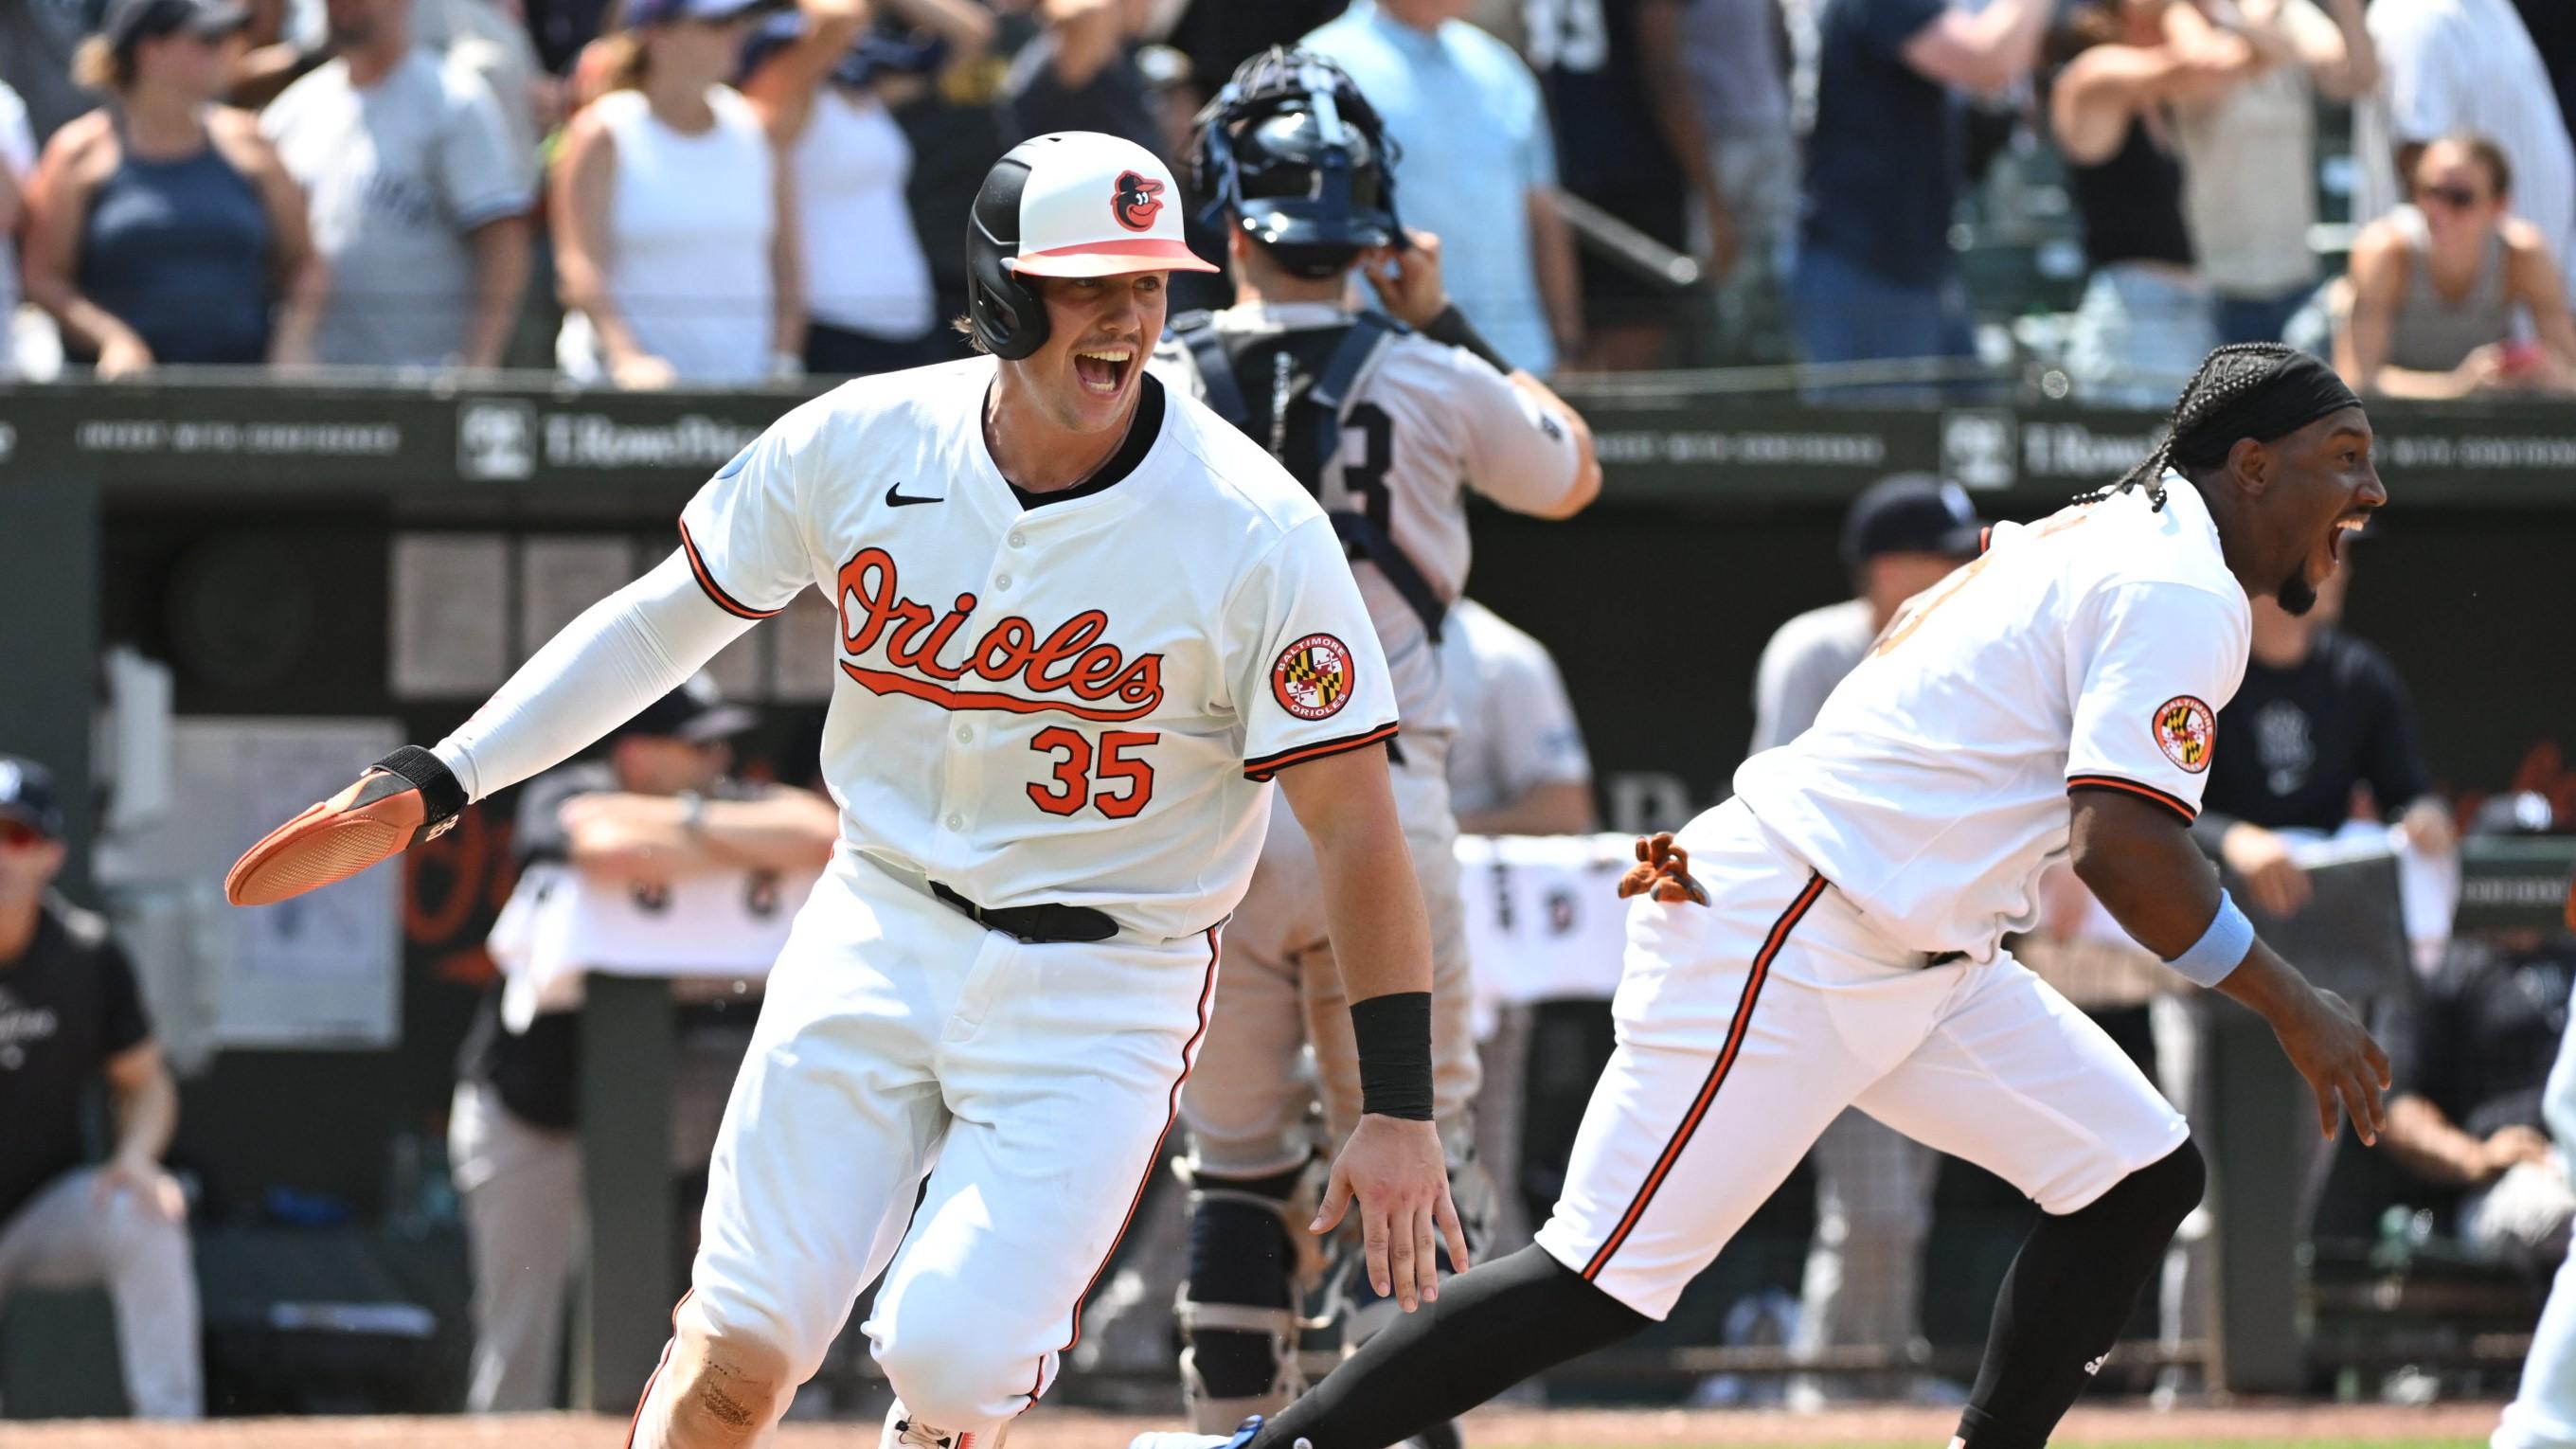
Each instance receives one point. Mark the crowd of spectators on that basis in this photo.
(718, 192)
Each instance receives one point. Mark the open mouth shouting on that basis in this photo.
(2346, 524)
(1104, 370)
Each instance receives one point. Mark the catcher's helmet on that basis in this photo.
(1071, 204)
(1292, 153)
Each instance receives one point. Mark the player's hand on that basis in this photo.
(2263, 859)
(2509, 1148)
(154, 1191)
(1408, 282)
(405, 798)
(2324, 1038)
(643, 372)
(2428, 827)
(1401, 1177)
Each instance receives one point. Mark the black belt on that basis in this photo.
(1034, 924)
(1927, 960)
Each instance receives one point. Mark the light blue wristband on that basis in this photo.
(2220, 949)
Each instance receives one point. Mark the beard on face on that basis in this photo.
(2295, 596)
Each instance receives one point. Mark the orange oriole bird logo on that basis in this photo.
(1137, 199)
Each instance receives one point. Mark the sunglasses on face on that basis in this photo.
(18, 835)
(2456, 198)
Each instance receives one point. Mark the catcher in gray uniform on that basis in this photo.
(1389, 420)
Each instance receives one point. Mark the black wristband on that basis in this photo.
(1394, 1035)
(442, 795)
(1452, 329)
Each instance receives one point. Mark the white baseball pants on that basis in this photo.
(1747, 1024)
(1031, 1084)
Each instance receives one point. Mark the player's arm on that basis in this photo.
(2151, 662)
(1529, 449)
(1316, 701)
(621, 654)
(656, 837)
(1393, 1164)
(742, 558)
(2135, 854)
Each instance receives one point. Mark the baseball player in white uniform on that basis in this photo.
(1387, 428)
(1082, 622)
(1873, 1184)
(1519, 765)
(1831, 936)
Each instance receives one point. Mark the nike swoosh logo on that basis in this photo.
(896, 499)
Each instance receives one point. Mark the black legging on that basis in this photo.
(2072, 1285)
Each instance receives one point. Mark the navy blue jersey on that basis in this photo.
(1587, 56)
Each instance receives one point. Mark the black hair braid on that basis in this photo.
(2222, 377)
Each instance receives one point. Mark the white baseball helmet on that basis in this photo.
(1070, 204)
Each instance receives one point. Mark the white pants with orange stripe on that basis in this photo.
(1747, 1024)
(1032, 1084)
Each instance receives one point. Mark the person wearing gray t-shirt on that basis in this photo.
(1873, 1186)
(419, 196)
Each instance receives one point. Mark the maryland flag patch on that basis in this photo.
(1313, 678)
(2185, 731)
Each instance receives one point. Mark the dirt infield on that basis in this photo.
(1499, 1428)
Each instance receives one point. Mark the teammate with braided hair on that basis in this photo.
(1387, 426)
(1831, 936)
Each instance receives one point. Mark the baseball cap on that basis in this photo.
(1910, 513)
(696, 713)
(27, 796)
(641, 13)
(128, 21)
(1096, 206)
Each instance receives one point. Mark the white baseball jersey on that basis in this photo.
(2094, 648)
(1076, 699)
(1424, 423)
(1516, 724)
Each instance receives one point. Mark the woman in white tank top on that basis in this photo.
(674, 234)
(815, 78)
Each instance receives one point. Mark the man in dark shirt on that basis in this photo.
(1080, 74)
(1876, 277)
(69, 1014)
(1628, 122)
(2472, 1055)
(662, 805)
(2320, 712)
